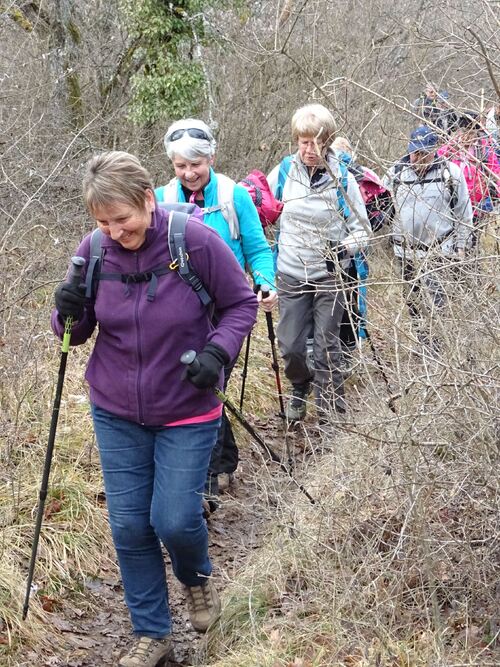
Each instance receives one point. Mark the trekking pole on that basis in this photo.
(275, 365)
(189, 359)
(75, 279)
(392, 398)
(244, 371)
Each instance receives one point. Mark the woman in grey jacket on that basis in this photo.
(323, 223)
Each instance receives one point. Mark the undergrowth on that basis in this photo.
(396, 563)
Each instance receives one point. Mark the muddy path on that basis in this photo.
(93, 628)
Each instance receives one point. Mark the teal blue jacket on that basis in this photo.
(251, 249)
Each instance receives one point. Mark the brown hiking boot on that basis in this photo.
(203, 604)
(147, 652)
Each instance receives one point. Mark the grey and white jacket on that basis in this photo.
(432, 212)
(312, 227)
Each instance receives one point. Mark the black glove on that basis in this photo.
(70, 300)
(205, 374)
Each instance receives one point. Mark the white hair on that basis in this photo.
(189, 147)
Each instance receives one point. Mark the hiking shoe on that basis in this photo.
(210, 505)
(203, 605)
(296, 407)
(225, 481)
(147, 652)
(345, 365)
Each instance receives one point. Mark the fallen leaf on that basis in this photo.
(275, 637)
(53, 507)
(49, 604)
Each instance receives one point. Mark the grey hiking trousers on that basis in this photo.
(426, 288)
(304, 308)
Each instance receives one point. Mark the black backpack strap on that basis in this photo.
(180, 258)
(128, 279)
(94, 264)
(447, 179)
(398, 168)
(357, 171)
(95, 274)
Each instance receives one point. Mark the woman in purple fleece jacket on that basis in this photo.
(155, 425)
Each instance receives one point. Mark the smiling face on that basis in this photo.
(308, 151)
(193, 174)
(124, 223)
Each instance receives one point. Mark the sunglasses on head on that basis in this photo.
(193, 132)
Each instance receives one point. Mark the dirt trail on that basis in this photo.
(95, 629)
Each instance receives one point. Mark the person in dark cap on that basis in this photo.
(431, 225)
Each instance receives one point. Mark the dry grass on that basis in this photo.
(74, 542)
(397, 563)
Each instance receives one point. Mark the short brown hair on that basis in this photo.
(314, 120)
(115, 176)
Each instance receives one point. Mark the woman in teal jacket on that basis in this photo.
(229, 209)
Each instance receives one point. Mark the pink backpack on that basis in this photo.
(370, 185)
(268, 207)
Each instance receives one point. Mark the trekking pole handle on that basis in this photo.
(189, 359)
(75, 278)
(77, 264)
(269, 320)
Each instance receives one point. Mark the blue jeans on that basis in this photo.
(154, 479)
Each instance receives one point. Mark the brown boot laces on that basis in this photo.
(200, 598)
(144, 647)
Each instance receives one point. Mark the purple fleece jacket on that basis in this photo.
(134, 370)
